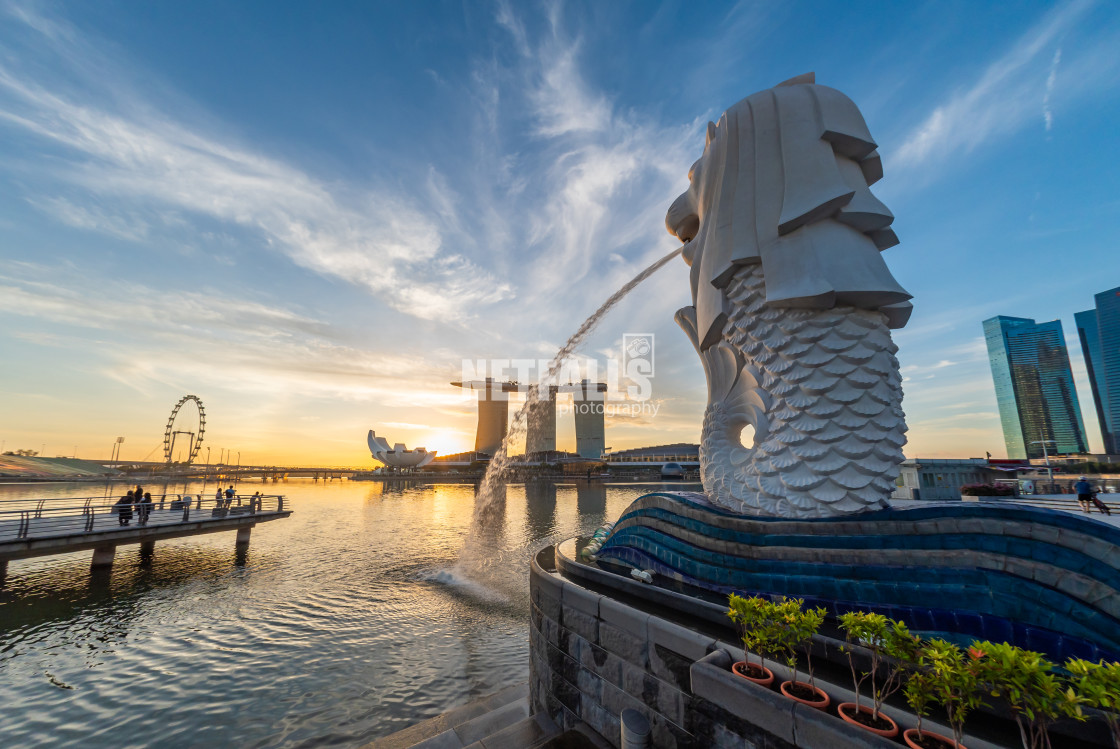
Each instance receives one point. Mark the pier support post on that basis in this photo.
(147, 551)
(103, 557)
(3, 570)
(243, 535)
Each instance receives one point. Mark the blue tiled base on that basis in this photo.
(1041, 579)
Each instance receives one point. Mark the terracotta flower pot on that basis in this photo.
(910, 736)
(753, 672)
(821, 701)
(845, 707)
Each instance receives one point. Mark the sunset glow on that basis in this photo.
(313, 263)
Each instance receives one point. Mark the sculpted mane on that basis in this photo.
(792, 307)
(784, 182)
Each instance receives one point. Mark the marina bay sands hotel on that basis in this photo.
(540, 436)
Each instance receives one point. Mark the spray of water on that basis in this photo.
(498, 468)
(476, 558)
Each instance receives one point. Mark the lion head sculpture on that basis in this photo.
(784, 181)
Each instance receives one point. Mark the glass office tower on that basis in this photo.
(1034, 387)
(1099, 331)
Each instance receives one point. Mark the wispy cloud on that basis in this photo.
(380, 241)
(609, 175)
(406, 425)
(188, 340)
(926, 367)
(92, 217)
(1000, 101)
(1047, 114)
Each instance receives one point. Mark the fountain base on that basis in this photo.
(1044, 580)
(603, 641)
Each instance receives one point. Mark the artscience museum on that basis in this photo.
(398, 456)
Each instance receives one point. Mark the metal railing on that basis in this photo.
(63, 516)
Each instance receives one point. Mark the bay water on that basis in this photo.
(356, 617)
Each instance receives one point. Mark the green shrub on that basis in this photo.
(919, 692)
(885, 639)
(753, 616)
(987, 490)
(795, 628)
(955, 680)
(937, 671)
(1026, 682)
(1098, 686)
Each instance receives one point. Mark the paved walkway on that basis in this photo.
(1068, 503)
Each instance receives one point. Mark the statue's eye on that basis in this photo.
(692, 169)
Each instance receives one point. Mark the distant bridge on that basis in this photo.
(215, 472)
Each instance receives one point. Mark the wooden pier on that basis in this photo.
(41, 527)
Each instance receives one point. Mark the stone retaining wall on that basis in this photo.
(592, 657)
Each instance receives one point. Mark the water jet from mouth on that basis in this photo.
(498, 467)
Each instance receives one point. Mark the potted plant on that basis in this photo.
(755, 621)
(1098, 686)
(891, 646)
(1027, 683)
(919, 694)
(949, 678)
(796, 627)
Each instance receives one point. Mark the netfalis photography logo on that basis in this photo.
(619, 386)
(637, 354)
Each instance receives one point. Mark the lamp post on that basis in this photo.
(1046, 455)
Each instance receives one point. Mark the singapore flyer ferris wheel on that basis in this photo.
(194, 438)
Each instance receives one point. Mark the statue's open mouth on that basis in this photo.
(687, 228)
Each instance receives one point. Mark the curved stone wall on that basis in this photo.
(592, 656)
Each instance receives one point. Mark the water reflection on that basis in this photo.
(591, 500)
(540, 497)
(374, 606)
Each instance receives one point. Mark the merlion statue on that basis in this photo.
(792, 307)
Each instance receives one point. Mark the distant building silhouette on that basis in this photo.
(1034, 387)
(540, 438)
(679, 452)
(1099, 331)
(588, 404)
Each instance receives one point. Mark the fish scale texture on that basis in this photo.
(827, 409)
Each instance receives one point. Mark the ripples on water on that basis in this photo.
(360, 615)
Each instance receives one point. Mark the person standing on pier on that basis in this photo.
(124, 509)
(144, 508)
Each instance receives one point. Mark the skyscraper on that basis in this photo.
(1099, 331)
(588, 404)
(1034, 387)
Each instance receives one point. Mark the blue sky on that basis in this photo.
(309, 213)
